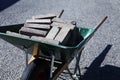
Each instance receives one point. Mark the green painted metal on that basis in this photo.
(65, 51)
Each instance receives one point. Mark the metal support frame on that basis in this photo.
(26, 57)
(26, 54)
(77, 67)
(52, 64)
(60, 68)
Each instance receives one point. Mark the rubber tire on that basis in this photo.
(36, 70)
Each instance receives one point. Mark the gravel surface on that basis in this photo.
(100, 59)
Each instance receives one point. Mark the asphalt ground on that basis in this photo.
(100, 59)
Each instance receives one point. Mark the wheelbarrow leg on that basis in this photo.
(77, 67)
(52, 65)
(26, 56)
(74, 75)
(26, 52)
(71, 75)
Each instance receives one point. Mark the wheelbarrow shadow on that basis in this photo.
(107, 72)
(6, 3)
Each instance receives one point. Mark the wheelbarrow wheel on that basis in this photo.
(36, 70)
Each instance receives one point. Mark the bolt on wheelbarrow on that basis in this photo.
(48, 60)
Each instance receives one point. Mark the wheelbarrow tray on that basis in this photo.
(67, 52)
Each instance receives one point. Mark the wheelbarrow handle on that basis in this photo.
(100, 23)
(96, 28)
(60, 14)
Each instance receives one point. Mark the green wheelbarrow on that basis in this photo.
(48, 60)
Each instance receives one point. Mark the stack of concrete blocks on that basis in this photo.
(49, 28)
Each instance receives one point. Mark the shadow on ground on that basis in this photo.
(107, 72)
(6, 3)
